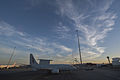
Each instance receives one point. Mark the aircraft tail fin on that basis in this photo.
(32, 60)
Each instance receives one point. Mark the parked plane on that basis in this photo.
(45, 64)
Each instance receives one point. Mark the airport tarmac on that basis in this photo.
(96, 74)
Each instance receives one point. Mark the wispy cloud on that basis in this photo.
(62, 47)
(94, 22)
(32, 3)
(63, 30)
(39, 46)
(8, 30)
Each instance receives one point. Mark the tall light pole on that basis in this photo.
(108, 59)
(79, 47)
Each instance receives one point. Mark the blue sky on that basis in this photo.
(47, 29)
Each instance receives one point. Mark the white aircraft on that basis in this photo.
(45, 64)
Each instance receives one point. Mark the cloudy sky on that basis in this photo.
(47, 28)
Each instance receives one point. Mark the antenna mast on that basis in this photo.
(79, 47)
(11, 57)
